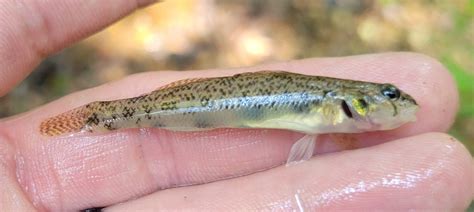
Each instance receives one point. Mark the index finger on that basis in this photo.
(31, 30)
(130, 163)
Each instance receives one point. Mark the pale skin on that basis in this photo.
(415, 166)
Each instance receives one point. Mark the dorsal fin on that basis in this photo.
(191, 80)
(181, 82)
(260, 72)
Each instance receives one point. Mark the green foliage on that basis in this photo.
(465, 82)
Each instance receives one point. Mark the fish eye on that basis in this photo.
(391, 92)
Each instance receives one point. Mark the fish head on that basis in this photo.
(379, 107)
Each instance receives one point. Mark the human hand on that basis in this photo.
(411, 168)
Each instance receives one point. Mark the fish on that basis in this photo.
(269, 99)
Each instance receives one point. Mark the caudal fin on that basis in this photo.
(69, 122)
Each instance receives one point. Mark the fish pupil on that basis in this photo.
(345, 108)
(391, 92)
(363, 103)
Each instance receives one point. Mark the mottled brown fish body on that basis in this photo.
(251, 100)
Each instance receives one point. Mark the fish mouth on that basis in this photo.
(409, 114)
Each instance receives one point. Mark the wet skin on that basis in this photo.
(417, 161)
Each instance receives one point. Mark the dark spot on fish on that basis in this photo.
(363, 103)
(253, 113)
(148, 116)
(204, 101)
(272, 104)
(325, 92)
(112, 107)
(301, 107)
(128, 112)
(170, 105)
(221, 90)
(159, 125)
(345, 108)
(147, 109)
(104, 103)
(109, 126)
(93, 119)
(395, 109)
(201, 123)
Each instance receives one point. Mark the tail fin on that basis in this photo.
(68, 122)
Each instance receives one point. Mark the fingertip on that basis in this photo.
(454, 183)
(435, 90)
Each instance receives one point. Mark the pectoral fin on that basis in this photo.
(302, 150)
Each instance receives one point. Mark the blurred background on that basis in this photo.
(189, 34)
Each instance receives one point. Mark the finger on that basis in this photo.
(425, 172)
(130, 163)
(31, 30)
(11, 194)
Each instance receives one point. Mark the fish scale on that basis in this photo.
(265, 99)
